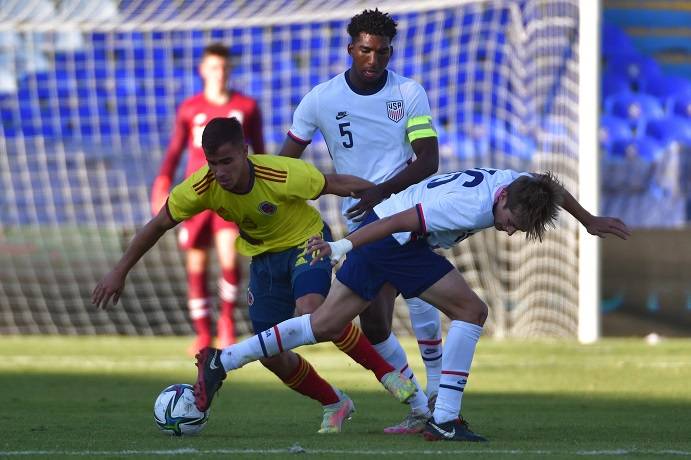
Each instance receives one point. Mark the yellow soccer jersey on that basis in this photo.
(272, 216)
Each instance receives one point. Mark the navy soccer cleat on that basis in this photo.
(453, 430)
(210, 376)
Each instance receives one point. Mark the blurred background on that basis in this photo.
(89, 90)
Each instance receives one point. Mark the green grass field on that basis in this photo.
(93, 397)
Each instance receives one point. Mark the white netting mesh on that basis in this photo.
(88, 91)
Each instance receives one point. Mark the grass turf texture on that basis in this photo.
(64, 397)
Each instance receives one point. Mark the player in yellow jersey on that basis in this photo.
(267, 197)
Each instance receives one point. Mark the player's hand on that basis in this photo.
(159, 194)
(318, 248)
(109, 287)
(368, 200)
(600, 226)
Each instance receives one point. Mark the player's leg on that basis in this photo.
(426, 324)
(309, 280)
(376, 322)
(194, 238)
(341, 306)
(225, 234)
(452, 295)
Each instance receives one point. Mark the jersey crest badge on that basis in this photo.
(267, 208)
(394, 109)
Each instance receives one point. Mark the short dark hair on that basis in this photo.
(372, 22)
(220, 131)
(535, 202)
(216, 49)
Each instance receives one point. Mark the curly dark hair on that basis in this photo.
(372, 22)
(220, 131)
(535, 201)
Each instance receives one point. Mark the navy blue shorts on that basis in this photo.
(277, 279)
(411, 268)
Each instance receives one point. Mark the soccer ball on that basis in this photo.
(175, 413)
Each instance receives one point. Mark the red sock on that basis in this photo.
(198, 304)
(354, 343)
(306, 381)
(227, 292)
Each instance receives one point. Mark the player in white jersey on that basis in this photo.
(377, 125)
(394, 244)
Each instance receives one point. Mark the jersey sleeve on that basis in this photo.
(177, 143)
(184, 202)
(305, 182)
(305, 119)
(419, 124)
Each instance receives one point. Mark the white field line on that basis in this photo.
(299, 450)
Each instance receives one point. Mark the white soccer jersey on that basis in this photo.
(365, 133)
(451, 206)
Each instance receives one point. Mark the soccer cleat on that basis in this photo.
(335, 414)
(413, 423)
(210, 376)
(453, 430)
(431, 401)
(400, 387)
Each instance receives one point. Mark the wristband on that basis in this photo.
(340, 248)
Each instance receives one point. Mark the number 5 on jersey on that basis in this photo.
(344, 132)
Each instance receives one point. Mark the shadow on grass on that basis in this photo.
(59, 412)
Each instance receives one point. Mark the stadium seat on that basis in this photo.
(670, 129)
(634, 107)
(629, 165)
(643, 148)
(637, 69)
(613, 129)
(682, 105)
(614, 83)
(667, 86)
(615, 41)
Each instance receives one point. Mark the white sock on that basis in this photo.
(392, 352)
(458, 356)
(282, 337)
(427, 327)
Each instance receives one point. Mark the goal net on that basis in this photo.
(88, 92)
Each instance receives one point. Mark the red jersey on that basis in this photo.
(193, 115)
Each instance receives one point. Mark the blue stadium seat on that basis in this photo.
(667, 86)
(615, 41)
(634, 107)
(681, 105)
(643, 148)
(670, 129)
(613, 83)
(613, 129)
(638, 69)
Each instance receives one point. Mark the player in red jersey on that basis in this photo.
(197, 234)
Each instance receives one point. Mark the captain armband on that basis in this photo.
(419, 128)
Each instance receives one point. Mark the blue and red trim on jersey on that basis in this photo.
(298, 140)
(421, 218)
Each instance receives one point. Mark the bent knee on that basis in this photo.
(474, 311)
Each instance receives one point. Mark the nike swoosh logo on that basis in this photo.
(446, 434)
(213, 366)
(341, 115)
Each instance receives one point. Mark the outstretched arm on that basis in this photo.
(426, 163)
(345, 185)
(596, 225)
(112, 284)
(404, 221)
